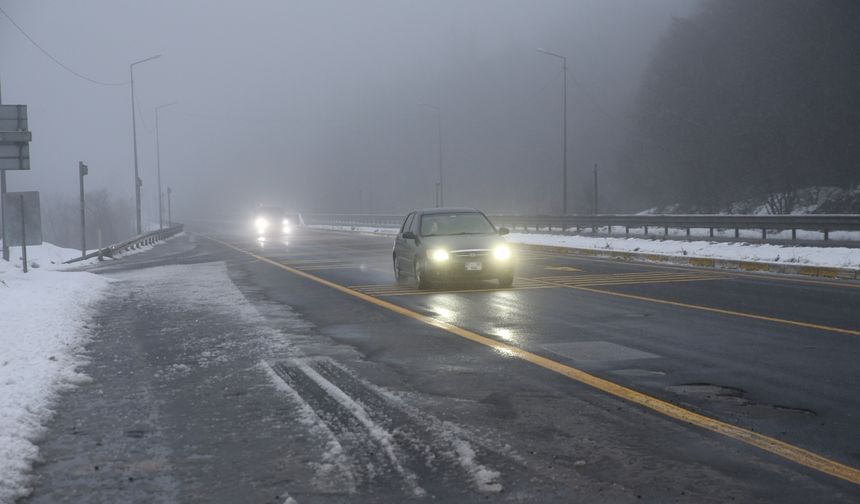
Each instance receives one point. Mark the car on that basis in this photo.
(449, 244)
(270, 221)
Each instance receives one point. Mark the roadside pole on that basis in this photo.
(83, 170)
(2, 197)
(169, 217)
(596, 201)
(23, 234)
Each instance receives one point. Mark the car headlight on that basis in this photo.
(502, 252)
(261, 223)
(438, 255)
(285, 222)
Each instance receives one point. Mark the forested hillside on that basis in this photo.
(748, 99)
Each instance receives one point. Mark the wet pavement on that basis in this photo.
(217, 377)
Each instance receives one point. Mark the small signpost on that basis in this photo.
(23, 220)
(14, 155)
(83, 170)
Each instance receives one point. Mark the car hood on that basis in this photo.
(463, 242)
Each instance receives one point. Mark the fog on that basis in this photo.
(313, 105)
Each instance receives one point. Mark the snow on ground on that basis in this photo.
(43, 326)
(839, 257)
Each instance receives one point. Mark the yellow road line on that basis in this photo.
(641, 282)
(777, 277)
(782, 449)
(327, 267)
(721, 311)
(634, 277)
(430, 292)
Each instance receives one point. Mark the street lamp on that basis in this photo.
(158, 163)
(137, 181)
(564, 155)
(440, 200)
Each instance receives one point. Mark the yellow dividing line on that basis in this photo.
(644, 275)
(576, 282)
(462, 291)
(721, 311)
(638, 282)
(766, 276)
(782, 449)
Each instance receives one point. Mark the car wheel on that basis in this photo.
(421, 280)
(398, 276)
(506, 280)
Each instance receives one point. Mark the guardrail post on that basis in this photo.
(826, 234)
(666, 231)
(794, 234)
(737, 233)
(646, 230)
(627, 230)
(764, 233)
(711, 232)
(688, 232)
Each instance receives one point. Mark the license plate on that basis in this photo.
(473, 266)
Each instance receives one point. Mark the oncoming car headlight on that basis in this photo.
(502, 252)
(438, 255)
(261, 223)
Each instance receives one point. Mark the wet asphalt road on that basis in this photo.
(325, 397)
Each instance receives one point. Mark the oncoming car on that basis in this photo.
(269, 221)
(442, 244)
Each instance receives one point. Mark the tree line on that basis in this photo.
(748, 99)
(105, 214)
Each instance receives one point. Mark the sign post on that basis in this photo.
(23, 233)
(14, 155)
(83, 170)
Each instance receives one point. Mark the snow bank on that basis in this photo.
(838, 257)
(43, 325)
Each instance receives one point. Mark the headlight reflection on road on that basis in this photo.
(445, 313)
(506, 334)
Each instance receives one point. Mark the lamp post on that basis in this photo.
(137, 181)
(564, 107)
(440, 200)
(158, 163)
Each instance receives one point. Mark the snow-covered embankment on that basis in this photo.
(43, 327)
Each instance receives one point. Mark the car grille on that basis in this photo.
(470, 254)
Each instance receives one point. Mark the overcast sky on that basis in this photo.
(313, 105)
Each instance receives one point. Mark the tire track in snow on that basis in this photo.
(416, 425)
(334, 472)
(379, 434)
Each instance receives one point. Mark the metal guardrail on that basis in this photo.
(132, 243)
(610, 224)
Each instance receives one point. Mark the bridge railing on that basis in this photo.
(765, 226)
(132, 243)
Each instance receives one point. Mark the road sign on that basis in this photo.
(32, 218)
(14, 138)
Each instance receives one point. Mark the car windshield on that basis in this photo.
(270, 212)
(447, 224)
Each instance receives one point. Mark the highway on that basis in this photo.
(589, 380)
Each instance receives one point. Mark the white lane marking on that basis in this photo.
(378, 433)
(335, 467)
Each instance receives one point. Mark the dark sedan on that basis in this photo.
(442, 244)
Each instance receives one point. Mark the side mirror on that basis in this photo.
(503, 231)
(409, 235)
